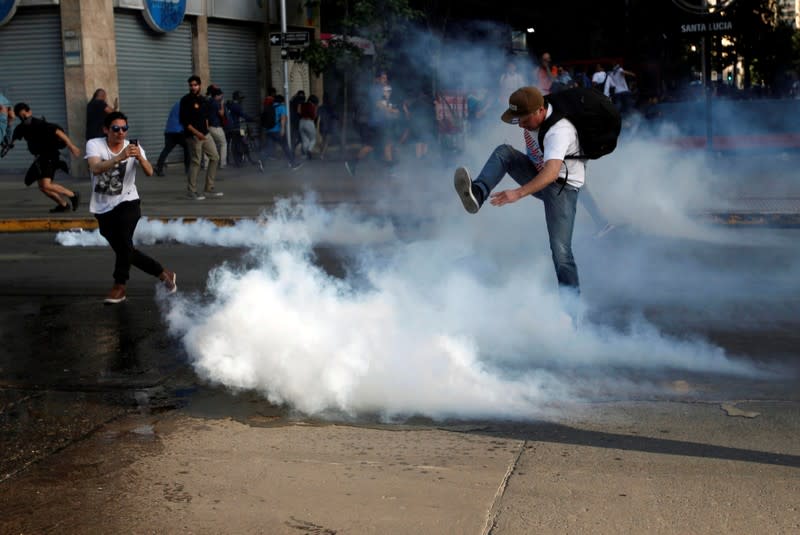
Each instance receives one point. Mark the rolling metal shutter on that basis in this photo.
(32, 67)
(152, 70)
(233, 60)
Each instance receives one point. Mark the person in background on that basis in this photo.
(216, 123)
(616, 87)
(6, 120)
(96, 111)
(294, 118)
(308, 125)
(236, 131)
(113, 162)
(420, 113)
(173, 135)
(277, 134)
(367, 121)
(328, 123)
(194, 119)
(44, 141)
(599, 77)
(545, 74)
(510, 80)
(387, 118)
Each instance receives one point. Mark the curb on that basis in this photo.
(755, 219)
(41, 224)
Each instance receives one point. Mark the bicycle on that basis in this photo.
(245, 143)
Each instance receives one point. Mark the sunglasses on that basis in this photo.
(116, 128)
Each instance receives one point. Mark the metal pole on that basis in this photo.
(286, 78)
(707, 83)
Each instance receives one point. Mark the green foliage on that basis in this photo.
(322, 57)
(379, 21)
(760, 38)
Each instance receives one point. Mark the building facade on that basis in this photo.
(55, 53)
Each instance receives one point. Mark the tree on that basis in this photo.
(761, 40)
(378, 21)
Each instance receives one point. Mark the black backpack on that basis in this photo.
(596, 119)
(268, 117)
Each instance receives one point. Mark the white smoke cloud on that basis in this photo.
(302, 221)
(452, 325)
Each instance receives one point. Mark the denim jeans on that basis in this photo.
(559, 206)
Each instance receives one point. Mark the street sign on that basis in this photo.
(276, 39)
(296, 38)
(707, 25)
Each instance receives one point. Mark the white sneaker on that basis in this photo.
(213, 193)
(196, 196)
(466, 190)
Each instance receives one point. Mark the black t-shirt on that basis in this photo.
(194, 111)
(95, 114)
(41, 137)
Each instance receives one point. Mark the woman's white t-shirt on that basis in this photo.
(116, 185)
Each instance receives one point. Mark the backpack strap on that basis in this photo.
(545, 126)
(548, 123)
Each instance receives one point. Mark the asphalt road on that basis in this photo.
(97, 403)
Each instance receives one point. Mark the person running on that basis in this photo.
(113, 162)
(277, 134)
(44, 141)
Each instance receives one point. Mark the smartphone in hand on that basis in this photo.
(134, 141)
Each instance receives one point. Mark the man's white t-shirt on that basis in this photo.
(616, 79)
(599, 77)
(561, 140)
(116, 185)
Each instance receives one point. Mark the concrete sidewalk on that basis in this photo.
(774, 202)
(667, 467)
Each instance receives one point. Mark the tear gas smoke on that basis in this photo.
(464, 319)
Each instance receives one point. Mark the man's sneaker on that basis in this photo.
(75, 200)
(471, 195)
(213, 193)
(59, 208)
(351, 168)
(170, 281)
(196, 196)
(296, 165)
(116, 295)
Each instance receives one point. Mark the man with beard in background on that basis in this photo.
(194, 118)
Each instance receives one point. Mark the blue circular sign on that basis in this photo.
(164, 15)
(7, 9)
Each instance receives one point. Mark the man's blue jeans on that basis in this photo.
(559, 206)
